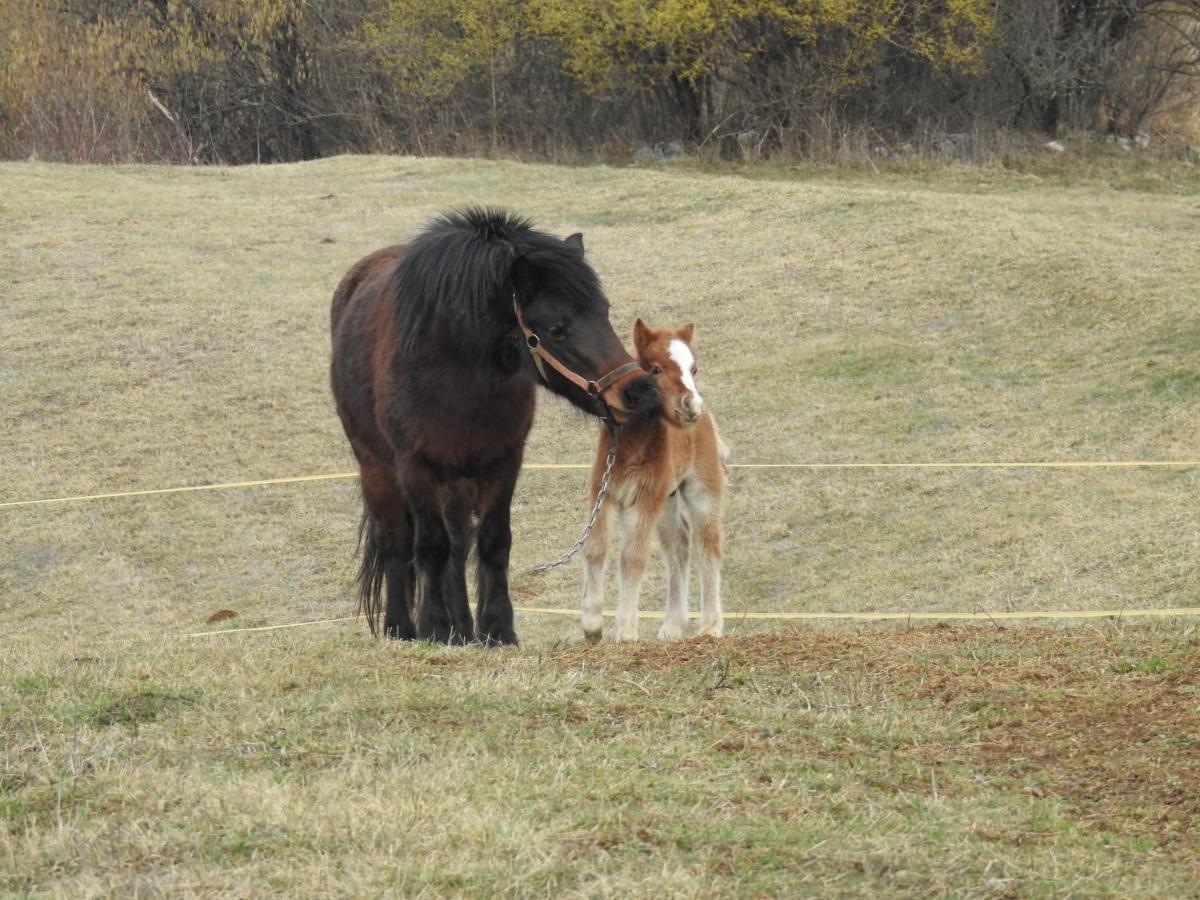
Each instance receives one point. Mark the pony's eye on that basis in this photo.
(556, 331)
(655, 370)
(695, 371)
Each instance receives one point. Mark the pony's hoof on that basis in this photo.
(443, 634)
(592, 637)
(402, 631)
(499, 637)
(670, 632)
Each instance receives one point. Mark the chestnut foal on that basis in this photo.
(669, 475)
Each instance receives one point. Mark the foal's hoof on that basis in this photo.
(670, 631)
(712, 629)
(592, 637)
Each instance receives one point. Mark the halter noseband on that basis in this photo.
(594, 389)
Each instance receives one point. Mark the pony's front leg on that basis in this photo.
(438, 584)
(595, 560)
(673, 535)
(494, 611)
(636, 524)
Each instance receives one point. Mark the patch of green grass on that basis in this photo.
(132, 708)
(35, 684)
(1088, 165)
(1150, 665)
(1176, 385)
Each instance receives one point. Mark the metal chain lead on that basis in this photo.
(609, 462)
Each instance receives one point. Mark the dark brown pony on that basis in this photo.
(434, 382)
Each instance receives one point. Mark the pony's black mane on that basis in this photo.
(458, 270)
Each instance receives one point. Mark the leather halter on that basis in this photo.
(594, 388)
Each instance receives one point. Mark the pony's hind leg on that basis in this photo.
(494, 612)
(387, 553)
(674, 537)
(401, 583)
(595, 560)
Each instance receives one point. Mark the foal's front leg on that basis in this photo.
(636, 524)
(595, 559)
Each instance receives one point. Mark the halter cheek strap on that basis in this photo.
(543, 357)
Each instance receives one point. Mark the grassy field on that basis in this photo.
(163, 326)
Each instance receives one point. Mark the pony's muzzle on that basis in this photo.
(640, 396)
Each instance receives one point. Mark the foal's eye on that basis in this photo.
(556, 331)
(695, 371)
(655, 370)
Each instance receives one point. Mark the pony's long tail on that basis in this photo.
(370, 574)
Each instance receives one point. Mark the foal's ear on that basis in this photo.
(687, 332)
(575, 242)
(641, 336)
(524, 279)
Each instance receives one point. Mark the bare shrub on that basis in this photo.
(846, 83)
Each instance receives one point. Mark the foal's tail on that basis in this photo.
(370, 574)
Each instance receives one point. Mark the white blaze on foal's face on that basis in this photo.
(691, 401)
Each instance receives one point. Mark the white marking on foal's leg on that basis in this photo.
(595, 559)
(635, 539)
(673, 535)
(682, 354)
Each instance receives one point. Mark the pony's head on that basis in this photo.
(564, 313)
(667, 355)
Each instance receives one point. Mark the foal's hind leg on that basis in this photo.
(707, 526)
(673, 535)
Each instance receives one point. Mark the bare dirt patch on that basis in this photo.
(1105, 721)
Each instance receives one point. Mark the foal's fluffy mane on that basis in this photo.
(459, 270)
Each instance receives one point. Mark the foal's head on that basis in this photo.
(667, 355)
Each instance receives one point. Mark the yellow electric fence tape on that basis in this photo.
(1052, 464)
(775, 616)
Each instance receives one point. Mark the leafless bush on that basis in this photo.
(243, 81)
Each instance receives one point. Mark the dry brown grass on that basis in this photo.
(980, 761)
(167, 326)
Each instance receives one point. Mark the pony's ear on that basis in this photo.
(575, 242)
(687, 332)
(641, 336)
(524, 279)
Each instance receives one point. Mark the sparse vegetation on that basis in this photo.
(163, 326)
